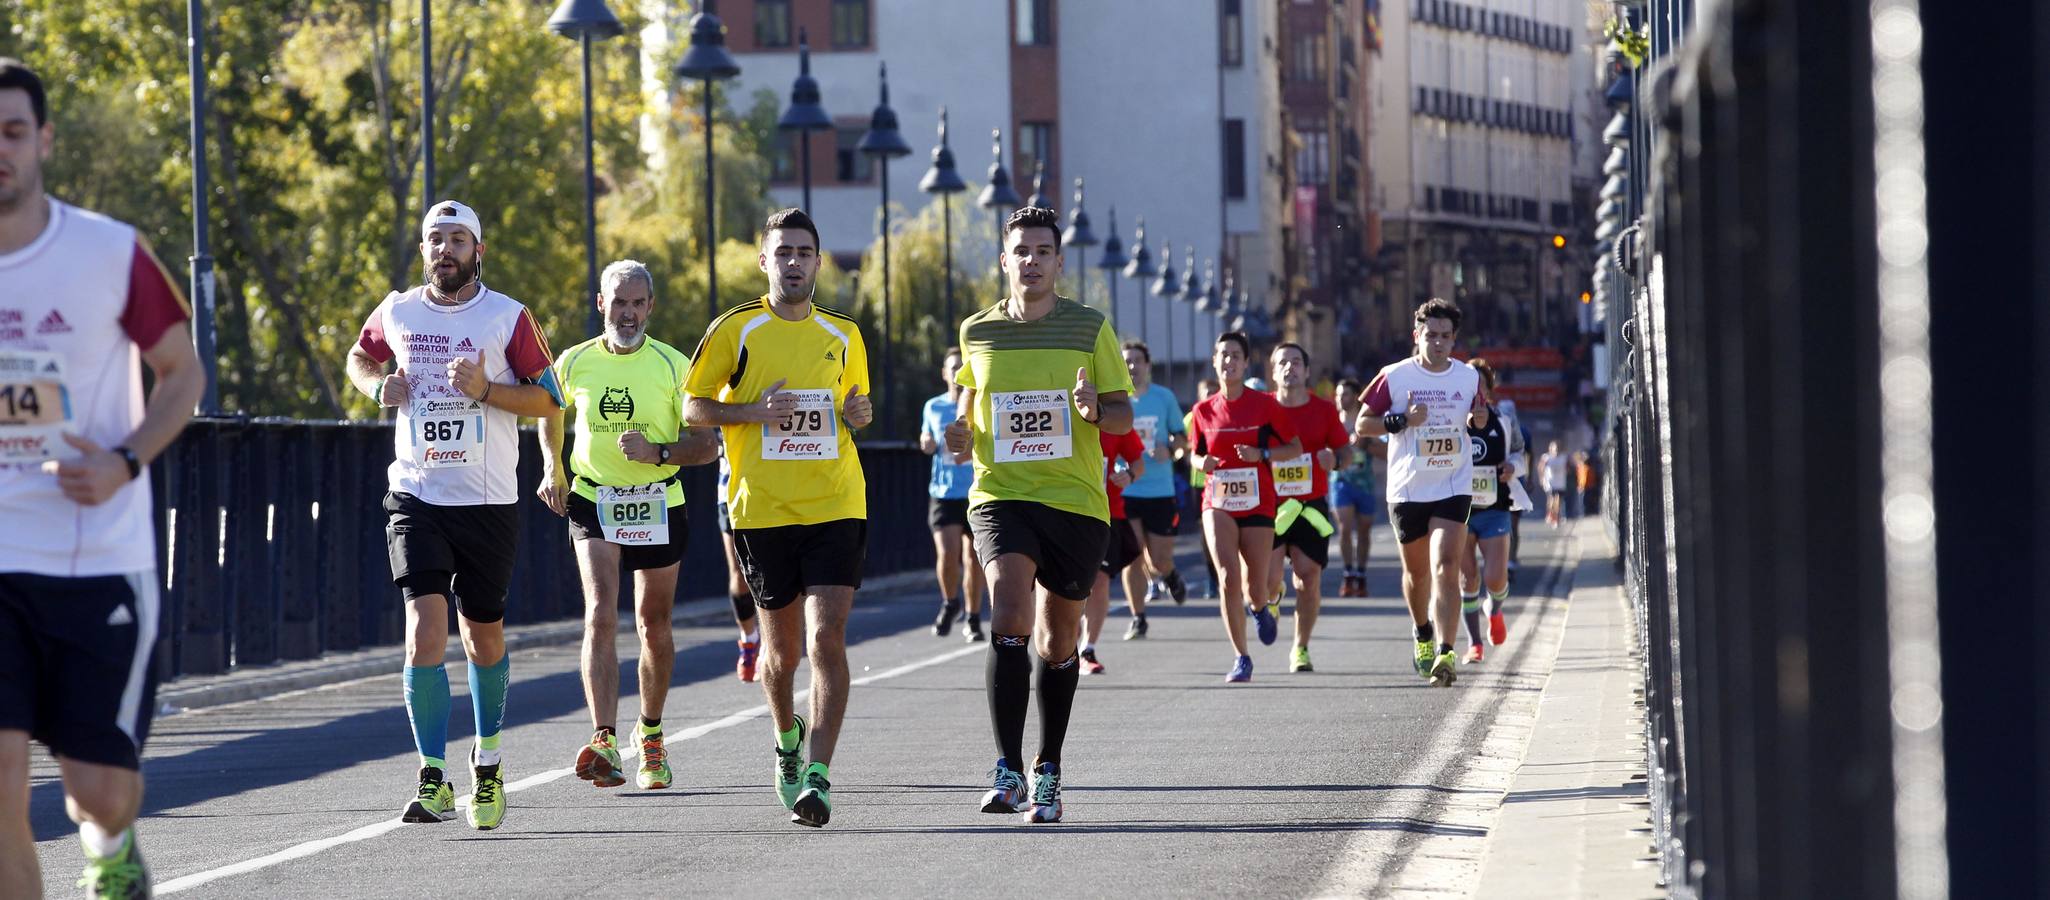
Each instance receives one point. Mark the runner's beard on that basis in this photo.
(463, 275)
(624, 335)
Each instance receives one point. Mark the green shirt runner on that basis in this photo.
(614, 393)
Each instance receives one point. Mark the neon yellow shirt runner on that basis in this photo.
(1029, 443)
(613, 393)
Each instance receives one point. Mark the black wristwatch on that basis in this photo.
(134, 464)
(663, 451)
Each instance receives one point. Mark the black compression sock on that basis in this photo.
(651, 723)
(1424, 633)
(1010, 688)
(1056, 700)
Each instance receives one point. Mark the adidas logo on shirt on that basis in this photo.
(53, 324)
(830, 357)
(121, 616)
(465, 345)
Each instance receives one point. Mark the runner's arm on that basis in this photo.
(366, 373)
(1114, 412)
(179, 384)
(694, 447)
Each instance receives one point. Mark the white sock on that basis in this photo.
(487, 757)
(755, 636)
(1088, 648)
(98, 842)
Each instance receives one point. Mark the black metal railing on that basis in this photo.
(271, 540)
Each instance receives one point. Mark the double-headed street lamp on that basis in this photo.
(584, 20)
(708, 61)
(998, 195)
(1081, 236)
(880, 144)
(805, 114)
(943, 179)
(1112, 261)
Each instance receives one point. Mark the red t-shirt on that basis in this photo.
(1127, 447)
(1219, 425)
(1317, 423)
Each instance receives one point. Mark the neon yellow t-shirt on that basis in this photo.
(613, 393)
(803, 470)
(1029, 443)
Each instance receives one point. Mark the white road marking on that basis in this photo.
(309, 848)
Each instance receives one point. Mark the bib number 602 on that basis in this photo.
(634, 513)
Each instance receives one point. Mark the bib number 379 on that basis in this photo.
(809, 432)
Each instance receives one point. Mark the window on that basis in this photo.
(1313, 161)
(1035, 23)
(772, 23)
(1235, 159)
(1307, 62)
(850, 23)
(1231, 38)
(1035, 143)
(851, 165)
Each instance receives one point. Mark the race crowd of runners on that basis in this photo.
(1061, 471)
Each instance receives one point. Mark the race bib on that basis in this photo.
(1484, 486)
(1235, 490)
(1148, 427)
(812, 431)
(448, 433)
(1441, 446)
(635, 516)
(1292, 478)
(35, 407)
(1031, 425)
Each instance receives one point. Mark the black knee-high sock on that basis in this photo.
(1056, 700)
(1010, 687)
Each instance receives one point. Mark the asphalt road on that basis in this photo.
(1176, 783)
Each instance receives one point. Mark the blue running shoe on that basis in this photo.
(1269, 620)
(1241, 671)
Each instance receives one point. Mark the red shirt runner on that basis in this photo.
(1219, 427)
(1317, 423)
(1127, 447)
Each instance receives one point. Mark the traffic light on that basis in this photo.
(1586, 297)
(1559, 241)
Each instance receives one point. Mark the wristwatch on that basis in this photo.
(134, 464)
(663, 451)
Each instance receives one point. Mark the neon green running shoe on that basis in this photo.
(1442, 671)
(487, 798)
(433, 801)
(790, 769)
(598, 761)
(814, 807)
(1424, 656)
(654, 774)
(1299, 661)
(123, 875)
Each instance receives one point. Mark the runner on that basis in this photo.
(785, 380)
(85, 304)
(1198, 479)
(1353, 498)
(1150, 500)
(621, 494)
(470, 362)
(947, 511)
(1238, 434)
(1038, 508)
(1124, 460)
(1552, 478)
(1493, 448)
(736, 581)
(1302, 521)
(1430, 474)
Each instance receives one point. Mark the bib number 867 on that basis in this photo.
(443, 430)
(633, 513)
(1032, 422)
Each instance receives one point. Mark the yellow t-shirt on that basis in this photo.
(1029, 443)
(802, 470)
(613, 393)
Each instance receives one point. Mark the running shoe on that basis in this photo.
(1176, 588)
(1498, 628)
(123, 875)
(1424, 656)
(434, 801)
(1268, 618)
(944, 625)
(487, 797)
(1046, 795)
(814, 807)
(1443, 671)
(1007, 794)
(1089, 664)
(1474, 653)
(1154, 589)
(790, 769)
(1299, 660)
(974, 629)
(1345, 586)
(1137, 629)
(598, 761)
(1241, 671)
(654, 774)
(745, 668)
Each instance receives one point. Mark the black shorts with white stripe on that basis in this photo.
(75, 658)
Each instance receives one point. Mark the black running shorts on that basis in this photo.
(781, 563)
(1304, 537)
(1158, 514)
(1067, 547)
(941, 513)
(461, 551)
(75, 663)
(1122, 549)
(1413, 520)
(584, 526)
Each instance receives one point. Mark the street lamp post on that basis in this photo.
(1140, 269)
(881, 144)
(708, 61)
(1192, 290)
(1039, 197)
(805, 114)
(1080, 235)
(1205, 305)
(584, 20)
(943, 179)
(1167, 288)
(427, 102)
(202, 258)
(1112, 261)
(998, 194)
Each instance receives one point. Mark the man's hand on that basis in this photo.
(857, 409)
(467, 375)
(1164, 453)
(93, 477)
(1327, 459)
(775, 406)
(1248, 453)
(960, 437)
(1121, 477)
(926, 444)
(395, 389)
(638, 448)
(1209, 464)
(1417, 412)
(1084, 396)
(554, 489)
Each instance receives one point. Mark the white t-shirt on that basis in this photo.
(451, 450)
(76, 307)
(1428, 460)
